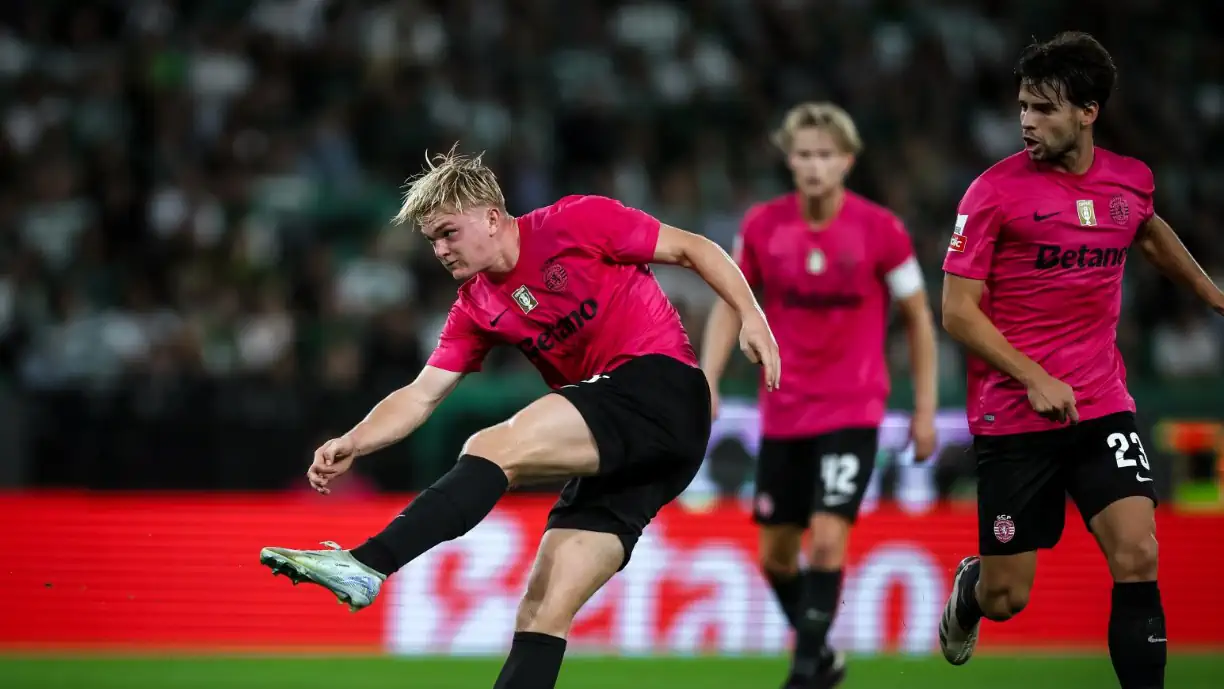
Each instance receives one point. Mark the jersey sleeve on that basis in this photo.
(978, 220)
(895, 245)
(744, 250)
(1147, 192)
(623, 234)
(461, 346)
(897, 265)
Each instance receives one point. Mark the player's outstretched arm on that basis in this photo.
(707, 259)
(1165, 250)
(389, 422)
(403, 411)
(964, 321)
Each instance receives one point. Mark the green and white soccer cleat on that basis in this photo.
(335, 570)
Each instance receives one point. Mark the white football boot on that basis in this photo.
(957, 642)
(335, 570)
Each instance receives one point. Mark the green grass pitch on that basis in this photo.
(1201, 671)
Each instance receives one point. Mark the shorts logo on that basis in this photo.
(1119, 209)
(764, 505)
(525, 299)
(555, 277)
(1087, 212)
(1004, 528)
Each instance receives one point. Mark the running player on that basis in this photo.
(628, 419)
(1033, 291)
(828, 263)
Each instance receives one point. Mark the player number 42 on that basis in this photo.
(1121, 445)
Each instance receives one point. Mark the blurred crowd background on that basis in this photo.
(198, 279)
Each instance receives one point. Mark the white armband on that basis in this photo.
(905, 280)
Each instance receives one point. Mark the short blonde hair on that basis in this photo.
(450, 183)
(822, 115)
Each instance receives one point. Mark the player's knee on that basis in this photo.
(776, 566)
(828, 544)
(499, 445)
(1135, 559)
(778, 556)
(1002, 601)
(543, 616)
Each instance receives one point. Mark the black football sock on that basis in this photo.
(969, 609)
(534, 662)
(788, 589)
(818, 607)
(1137, 644)
(446, 510)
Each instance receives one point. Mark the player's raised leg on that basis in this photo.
(1021, 509)
(570, 567)
(546, 439)
(993, 587)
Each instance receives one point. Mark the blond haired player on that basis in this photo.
(627, 422)
(829, 263)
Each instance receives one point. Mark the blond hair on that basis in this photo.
(825, 116)
(450, 183)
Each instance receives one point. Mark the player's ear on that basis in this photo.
(1089, 113)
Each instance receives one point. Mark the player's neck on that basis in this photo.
(508, 251)
(1078, 160)
(819, 210)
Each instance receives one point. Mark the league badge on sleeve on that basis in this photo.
(959, 242)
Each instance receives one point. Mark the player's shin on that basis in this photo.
(1137, 644)
(534, 662)
(788, 590)
(969, 609)
(448, 509)
(821, 594)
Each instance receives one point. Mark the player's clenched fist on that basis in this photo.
(757, 341)
(1053, 399)
(332, 459)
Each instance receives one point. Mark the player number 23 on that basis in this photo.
(1120, 445)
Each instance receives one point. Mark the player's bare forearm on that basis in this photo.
(964, 321)
(1165, 250)
(707, 259)
(920, 331)
(722, 328)
(403, 411)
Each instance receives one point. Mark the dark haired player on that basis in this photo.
(628, 419)
(1033, 286)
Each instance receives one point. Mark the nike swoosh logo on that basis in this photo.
(497, 318)
(1047, 216)
(1141, 479)
(1153, 640)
